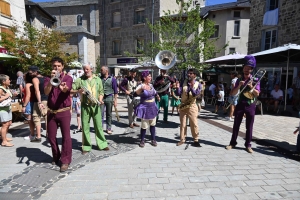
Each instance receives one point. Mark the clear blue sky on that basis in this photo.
(213, 2)
(208, 2)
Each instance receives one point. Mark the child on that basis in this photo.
(220, 97)
(175, 101)
(77, 107)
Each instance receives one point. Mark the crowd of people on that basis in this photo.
(91, 96)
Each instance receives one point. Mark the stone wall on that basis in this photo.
(288, 24)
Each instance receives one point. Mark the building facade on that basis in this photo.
(38, 17)
(80, 20)
(275, 23)
(124, 29)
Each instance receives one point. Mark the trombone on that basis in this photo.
(90, 96)
(249, 94)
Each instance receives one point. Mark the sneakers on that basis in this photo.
(77, 131)
(35, 139)
(109, 132)
(142, 144)
(229, 147)
(249, 150)
(29, 137)
(229, 119)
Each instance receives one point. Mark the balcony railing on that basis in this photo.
(139, 20)
(116, 24)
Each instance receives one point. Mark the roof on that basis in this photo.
(73, 29)
(241, 4)
(30, 3)
(60, 3)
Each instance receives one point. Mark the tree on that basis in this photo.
(35, 47)
(185, 34)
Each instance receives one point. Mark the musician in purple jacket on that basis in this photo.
(245, 105)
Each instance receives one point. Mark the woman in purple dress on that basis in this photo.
(146, 109)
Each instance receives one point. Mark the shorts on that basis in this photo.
(220, 103)
(28, 108)
(145, 123)
(231, 98)
(37, 114)
(5, 116)
(77, 107)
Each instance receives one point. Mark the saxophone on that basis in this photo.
(189, 102)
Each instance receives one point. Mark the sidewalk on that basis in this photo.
(162, 172)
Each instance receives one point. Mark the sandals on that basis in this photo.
(7, 145)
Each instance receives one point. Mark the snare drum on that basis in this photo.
(136, 100)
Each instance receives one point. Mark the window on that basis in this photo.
(231, 50)
(79, 20)
(237, 14)
(270, 39)
(116, 47)
(139, 16)
(116, 19)
(114, 1)
(216, 34)
(140, 46)
(5, 8)
(272, 4)
(236, 28)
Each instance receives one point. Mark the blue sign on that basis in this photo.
(126, 60)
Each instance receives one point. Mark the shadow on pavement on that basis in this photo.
(35, 155)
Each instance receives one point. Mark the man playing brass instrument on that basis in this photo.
(90, 109)
(189, 90)
(245, 105)
(160, 81)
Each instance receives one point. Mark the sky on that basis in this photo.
(208, 2)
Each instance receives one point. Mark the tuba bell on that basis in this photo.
(165, 60)
(55, 80)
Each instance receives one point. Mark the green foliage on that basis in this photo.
(35, 47)
(184, 33)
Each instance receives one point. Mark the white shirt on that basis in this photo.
(221, 96)
(277, 94)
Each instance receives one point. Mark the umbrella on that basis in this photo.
(231, 59)
(4, 56)
(285, 53)
(215, 70)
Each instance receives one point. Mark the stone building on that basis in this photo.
(80, 20)
(37, 16)
(231, 24)
(123, 27)
(274, 23)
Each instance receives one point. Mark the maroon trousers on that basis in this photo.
(64, 121)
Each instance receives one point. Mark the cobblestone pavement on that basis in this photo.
(162, 172)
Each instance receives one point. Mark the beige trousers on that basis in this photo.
(192, 114)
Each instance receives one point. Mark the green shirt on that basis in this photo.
(94, 82)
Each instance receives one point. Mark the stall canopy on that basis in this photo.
(4, 56)
(232, 59)
(286, 53)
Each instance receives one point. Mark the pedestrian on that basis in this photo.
(77, 108)
(27, 107)
(5, 109)
(39, 110)
(147, 110)
(298, 139)
(232, 99)
(220, 100)
(189, 90)
(245, 105)
(175, 101)
(59, 104)
(20, 83)
(90, 109)
(128, 86)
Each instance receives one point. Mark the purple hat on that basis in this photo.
(145, 73)
(250, 61)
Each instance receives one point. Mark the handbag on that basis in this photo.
(6, 102)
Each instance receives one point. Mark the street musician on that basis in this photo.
(90, 108)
